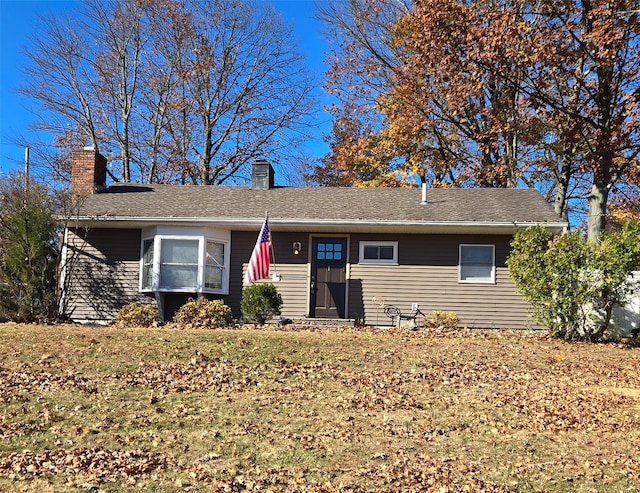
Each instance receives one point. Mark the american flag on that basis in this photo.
(259, 262)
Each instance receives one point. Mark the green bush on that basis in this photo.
(260, 302)
(137, 315)
(572, 283)
(204, 313)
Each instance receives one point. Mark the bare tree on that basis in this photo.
(59, 76)
(119, 26)
(173, 90)
(362, 57)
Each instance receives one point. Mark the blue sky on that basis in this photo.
(18, 20)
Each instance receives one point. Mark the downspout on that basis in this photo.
(62, 278)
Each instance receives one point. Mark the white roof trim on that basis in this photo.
(347, 225)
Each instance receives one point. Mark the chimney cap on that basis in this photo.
(262, 176)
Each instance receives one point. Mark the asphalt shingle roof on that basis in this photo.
(464, 205)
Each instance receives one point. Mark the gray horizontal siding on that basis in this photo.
(427, 274)
(104, 267)
(101, 273)
(436, 289)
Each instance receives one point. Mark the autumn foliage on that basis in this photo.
(204, 313)
(479, 93)
(137, 315)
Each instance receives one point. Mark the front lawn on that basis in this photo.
(104, 409)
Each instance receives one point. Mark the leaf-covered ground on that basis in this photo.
(330, 410)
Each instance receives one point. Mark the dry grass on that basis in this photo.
(104, 409)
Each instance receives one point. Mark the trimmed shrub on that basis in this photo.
(137, 315)
(204, 313)
(260, 302)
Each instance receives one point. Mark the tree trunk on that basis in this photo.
(126, 166)
(560, 202)
(562, 187)
(597, 216)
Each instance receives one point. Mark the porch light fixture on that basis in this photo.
(297, 247)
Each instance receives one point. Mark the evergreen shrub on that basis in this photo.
(260, 302)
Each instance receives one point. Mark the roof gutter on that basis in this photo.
(333, 225)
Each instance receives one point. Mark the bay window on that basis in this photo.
(175, 263)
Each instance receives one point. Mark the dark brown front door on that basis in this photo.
(328, 277)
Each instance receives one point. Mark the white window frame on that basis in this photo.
(224, 266)
(202, 252)
(486, 280)
(143, 288)
(156, 262)
(378, 261)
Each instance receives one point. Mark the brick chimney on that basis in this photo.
(262, 175)
(88, 172)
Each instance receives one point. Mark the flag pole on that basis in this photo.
(273, 252)
(260, 260)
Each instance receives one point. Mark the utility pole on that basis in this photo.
(26, 168)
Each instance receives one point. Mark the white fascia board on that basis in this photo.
(329, 225)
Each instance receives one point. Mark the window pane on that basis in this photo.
(476, 272)
(370, 252)
(179, 251)
(213, 277)
(147, 264)
(214, 265)
(147, 254)
(178, 276)
(386, 252)
(477, 254)
(215, 253)
(179, 264)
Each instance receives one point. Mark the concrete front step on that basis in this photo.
(325, 322)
